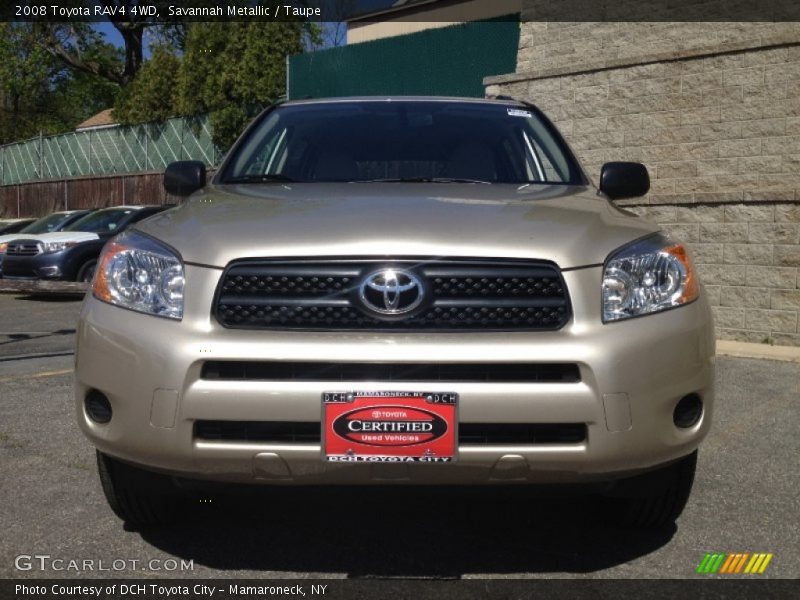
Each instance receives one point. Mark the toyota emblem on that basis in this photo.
(391, 291)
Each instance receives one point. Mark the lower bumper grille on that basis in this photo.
(468, 433)
(521, 433)
(258, 431)
(392, 372)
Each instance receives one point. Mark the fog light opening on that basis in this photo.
(97, 407)
(688, 411)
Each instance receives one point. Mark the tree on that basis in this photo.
(335, 30)
(228, 70)
(151, 96)
(38, 93)
(24, 74)
(232, 70)
(73, 43)
(79, 47)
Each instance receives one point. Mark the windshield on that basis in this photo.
(102, 221)
(405, 140)
(46, 224)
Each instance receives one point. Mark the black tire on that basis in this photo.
(86, 272)
(656, 499)
(138, 497)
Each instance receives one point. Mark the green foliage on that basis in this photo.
(25, 73)
(232, 70)
(228, 70)
(54, 75)
(38, 93)
(151, 95)
(81, 95)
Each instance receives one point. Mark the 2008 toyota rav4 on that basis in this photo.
(397, 290)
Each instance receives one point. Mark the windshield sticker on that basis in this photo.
(516, 112)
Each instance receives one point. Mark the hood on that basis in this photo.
(569, 225)
(53, 236)
(11, 236)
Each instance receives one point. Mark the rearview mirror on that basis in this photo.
(184, 177)
(620, 180)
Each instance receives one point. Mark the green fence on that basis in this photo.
(449, 61)
(117, 149)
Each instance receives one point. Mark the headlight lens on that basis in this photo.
(3, 247)
(138, 273)
(51, 247)
(648, 276)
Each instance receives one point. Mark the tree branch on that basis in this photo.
(73, 58)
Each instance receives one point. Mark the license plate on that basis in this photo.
(389, 426)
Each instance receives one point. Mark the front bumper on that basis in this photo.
(632, 375)
(41, 266)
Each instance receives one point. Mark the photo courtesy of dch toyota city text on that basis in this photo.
(399, 298)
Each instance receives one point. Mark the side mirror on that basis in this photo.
(624, 180)
(184, 177)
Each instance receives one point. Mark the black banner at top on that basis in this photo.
(161, 11)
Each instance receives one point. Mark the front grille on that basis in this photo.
(23, 248)
(468, 433)
(327, 295)
(392, 372)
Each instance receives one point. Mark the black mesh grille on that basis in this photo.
(468, 433)
(411, 372)
(459, 295)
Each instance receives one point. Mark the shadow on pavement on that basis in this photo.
(402, 532)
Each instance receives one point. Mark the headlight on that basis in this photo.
(138, 273)
(51, 247)
(3, 247)
(647, 276)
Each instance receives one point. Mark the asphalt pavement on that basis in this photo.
(745, 497)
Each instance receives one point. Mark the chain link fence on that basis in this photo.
(108, 150)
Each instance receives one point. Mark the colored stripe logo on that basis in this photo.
(734, 563)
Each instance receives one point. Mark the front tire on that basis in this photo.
(136, 496)
(86, 272)
(656, 499)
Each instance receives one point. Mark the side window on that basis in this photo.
(551, 156)
(550, 172)
(533, 163)
(537, 162)
(261, 162)
(276, 157)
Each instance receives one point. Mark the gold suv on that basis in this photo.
(418, 291)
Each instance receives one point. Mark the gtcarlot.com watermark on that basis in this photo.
(46, 562)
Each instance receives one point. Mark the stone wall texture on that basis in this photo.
(716, 119)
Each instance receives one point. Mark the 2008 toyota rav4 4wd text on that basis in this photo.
(397, 290)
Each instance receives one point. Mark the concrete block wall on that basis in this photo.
(719, 130)
(552, 45)
(748, 258)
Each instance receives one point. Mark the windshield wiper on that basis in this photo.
(261, 179)
(422, 180)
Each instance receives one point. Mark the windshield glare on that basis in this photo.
(102, 221)
(404, 140)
